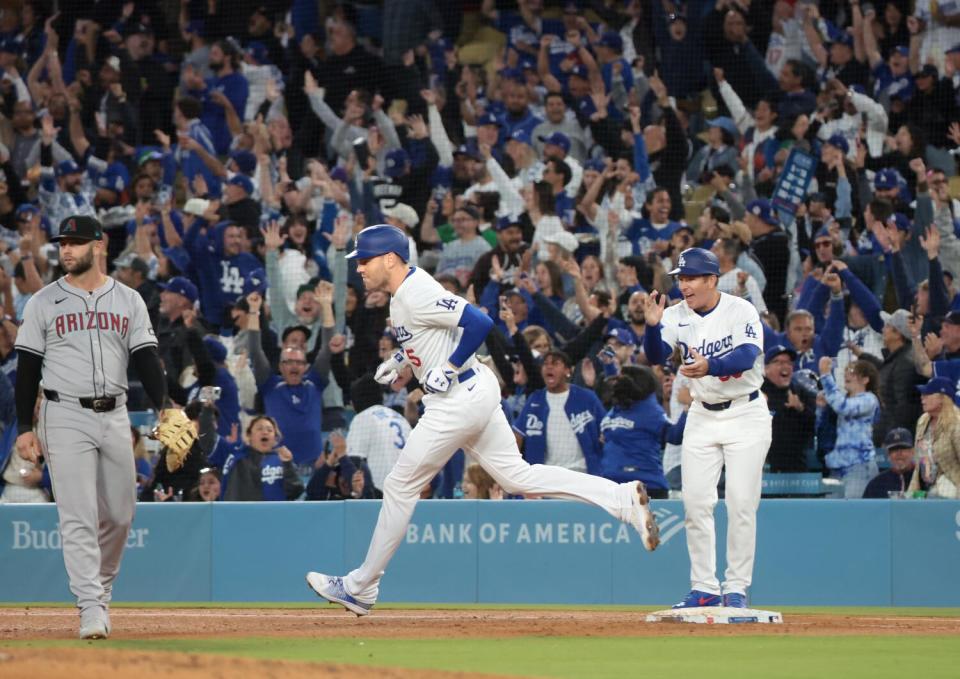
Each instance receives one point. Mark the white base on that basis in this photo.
(716, 615)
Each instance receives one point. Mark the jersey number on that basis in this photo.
(413, 359)
(399, 442)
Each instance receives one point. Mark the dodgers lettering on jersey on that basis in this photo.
(733, 322)
(425, 317)
(85, 338)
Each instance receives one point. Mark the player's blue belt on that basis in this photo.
(723, 405)
(466, 375)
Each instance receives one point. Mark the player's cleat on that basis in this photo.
(698, 599)
(735, 600)
(333, 590)
(643, 519)
(93, 624)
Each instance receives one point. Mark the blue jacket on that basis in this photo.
(584, 411)
(220, 278)
(826, 343)
(235, 88)
(298, 411)
(633, 442)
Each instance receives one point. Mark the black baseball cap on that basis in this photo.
(79, 227)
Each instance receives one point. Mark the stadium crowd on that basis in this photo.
(550, 164)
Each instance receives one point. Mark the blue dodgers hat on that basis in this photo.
(697, 262)
(887, 178)
(25, 209)
(557, 139)
(381, 239)
(823, 233)
(899, 437)
(243, 182)
(245, 161)
(488, 119)
(595, 164)
(507, 222)
(10, 45)
(181, 286)
(521, 135)
(255, 281)
(580, 71)
(777, 350)
(257, 51)
(938, 385)
(623, 335)
(763, 210)
(840, 142)
(904, 51)
(113, 179)
(215, 348)
(178, 257)
(839, 35)
(395, 164)
(611, 40)
(469, 150)
(726, 124)
(901, 221)
(66, 167)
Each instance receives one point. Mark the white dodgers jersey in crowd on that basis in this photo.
(378, 434)
(424, 317)
(734, 321)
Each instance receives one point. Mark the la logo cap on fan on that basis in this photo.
(79, 227)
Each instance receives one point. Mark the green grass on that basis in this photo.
(905, 611)
(575, 657)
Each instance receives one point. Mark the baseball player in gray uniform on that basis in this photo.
(77, 338)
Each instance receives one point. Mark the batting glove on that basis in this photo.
(389, 370)
(438, 380)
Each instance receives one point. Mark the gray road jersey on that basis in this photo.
(85, 338)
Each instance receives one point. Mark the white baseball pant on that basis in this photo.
(736, 438)
(468, 416)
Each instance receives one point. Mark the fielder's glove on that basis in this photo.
(438, 380)
(389, 370)
(176, 433)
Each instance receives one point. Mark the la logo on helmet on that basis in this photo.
(681, 262)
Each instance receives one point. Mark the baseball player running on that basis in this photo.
(439, 333)
(720, 340)
(77, 337)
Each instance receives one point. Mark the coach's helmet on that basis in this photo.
(380, 239)
(805, 384)
(697, 262)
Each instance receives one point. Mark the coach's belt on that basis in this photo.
(466, 375)
(723, 405)
(98, 404)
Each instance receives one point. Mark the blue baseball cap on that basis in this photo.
(899, 437)
(938, 385)
(521, 135)
(887, 178)
(595, 164)
(215, 348)
(557, 139)
(823, 233)
(953, 50)
(904, 51)
(258, 52)
(255, 281)
(839, 35)
(395, 164)
(763, 210)
(10, 45)
(181, 286)
(114, 178)
(901, 221)
(776, 350)
(623, 335)
(507, 222)
(697, 262)
(243, 181)
(579, 70)
(611, 40)
(470, 150)
(488, 119)
(66, 167)
(840, 142)
(25, 208)
(245, 161)
(726, 124)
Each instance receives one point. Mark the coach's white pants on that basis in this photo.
(737, 438)
(469, 417)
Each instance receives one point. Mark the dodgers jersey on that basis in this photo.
(85, 338)
(378, 434)
(734, 321)
(424, 317)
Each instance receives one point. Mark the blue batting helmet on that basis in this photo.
(805, 383)
(380, 239)
(697, 262)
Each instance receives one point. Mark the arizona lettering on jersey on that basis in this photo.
(732, 323)
(91, 320)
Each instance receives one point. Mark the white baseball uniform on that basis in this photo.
(378, 434)
(468, 415)
(733, 430)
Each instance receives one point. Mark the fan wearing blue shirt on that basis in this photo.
(227, 86)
